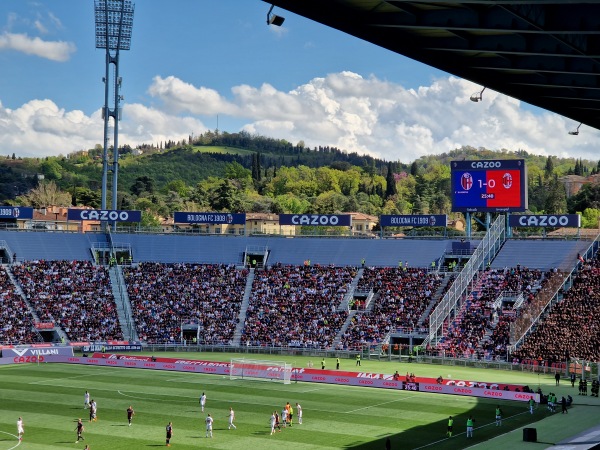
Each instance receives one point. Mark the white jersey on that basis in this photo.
(231, 416)
(203, 399)
(209, 423)
(284, 414)
(273, 420)
(20, 426)
(299, 410)
(86, 398)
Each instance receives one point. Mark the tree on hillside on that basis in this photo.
(587, 197)
(256, 169)
(390, 189)
(556, 201)
(45, 194)
(142, 184)
(549, 169)
(414, 169)
(82, 196)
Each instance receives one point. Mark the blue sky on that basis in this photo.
(191, 61)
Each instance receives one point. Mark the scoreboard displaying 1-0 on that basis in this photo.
(489, 186)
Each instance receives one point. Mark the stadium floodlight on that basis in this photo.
(477, 96)
(114, 24)
(274, 19)
(575, 132)
(255, 369)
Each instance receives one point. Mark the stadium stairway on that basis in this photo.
(434, 299)
(349, 296)
(237, 334)
(124, 313)
(21, 294)
(338, 338)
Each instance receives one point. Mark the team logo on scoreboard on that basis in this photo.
(432, 221)
(16, 213)
(466, 181)
(507, 180)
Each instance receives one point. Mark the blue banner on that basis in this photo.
(317, 220)
(104, 215)
(16, 212)
(410, 220)
(545, 220)
(209, 217)
(112, 348)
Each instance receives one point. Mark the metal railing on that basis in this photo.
(483, 254)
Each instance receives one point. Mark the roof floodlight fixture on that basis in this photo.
(477, 96)
(575, 132)
(274, 19)
(114, 24)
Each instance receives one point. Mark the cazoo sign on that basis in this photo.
(104, 215)
(549, 220)
(316, 220)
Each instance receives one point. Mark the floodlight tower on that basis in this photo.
(114, 22)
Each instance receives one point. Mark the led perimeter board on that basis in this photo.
(489, 186)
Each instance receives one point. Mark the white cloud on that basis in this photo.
(40, 27)
(346, 110)
(179, 96)
(52, 50)
(40, 128)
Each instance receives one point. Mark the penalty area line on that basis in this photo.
(378, 404)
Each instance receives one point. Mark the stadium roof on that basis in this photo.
(543, 52)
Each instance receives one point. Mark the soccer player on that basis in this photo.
(273, 422)
(284, 417)
(130, 414)
(86, 399)
(80, 429)
(93, 411)
(450, 426)
(290, 414)
(470, 427)
(231, 419)
(299, 410)
(20, 428)
(169, 430)
(498, 416)
(209, 424)
(531, 404)
(277, 424)
(203, 401)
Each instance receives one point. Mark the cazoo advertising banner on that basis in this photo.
(367, 379)
(104, 215)
(316, 220)
(545, 220)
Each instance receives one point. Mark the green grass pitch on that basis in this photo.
(49, 397)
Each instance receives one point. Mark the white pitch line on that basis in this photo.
(16, 437)
(378, 404)
(145, 398)
(477, 428)
(312, 390)
(151, 397)
(48, 380)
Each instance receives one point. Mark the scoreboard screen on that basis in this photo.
(489, 186)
